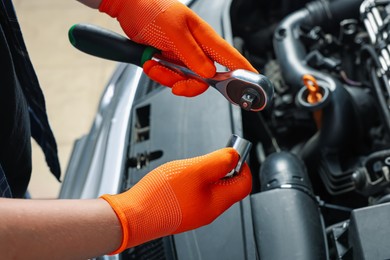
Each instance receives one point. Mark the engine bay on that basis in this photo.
(343, 138)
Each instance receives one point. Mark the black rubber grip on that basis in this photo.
(107, 44)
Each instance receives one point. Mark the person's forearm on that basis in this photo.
(91, 3)
(57, 229)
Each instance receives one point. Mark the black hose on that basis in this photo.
(286, 215)
(291, 52)
(329, 14)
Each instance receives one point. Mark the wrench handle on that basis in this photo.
(103, 43)
(106, 44)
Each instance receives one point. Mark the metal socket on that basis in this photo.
(242, 147)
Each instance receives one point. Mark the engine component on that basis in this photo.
(375, 15)
(286, 216)
(338, 239)
(340, 126)
(313, 97)
(368, 232)
(291, 52)
(374, 176)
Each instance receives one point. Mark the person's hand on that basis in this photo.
(181, 35)
(179, 196)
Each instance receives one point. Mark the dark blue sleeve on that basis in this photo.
(40, 127)
(5, 191)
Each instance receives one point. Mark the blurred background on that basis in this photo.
(71, 80)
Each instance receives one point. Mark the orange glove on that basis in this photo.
(179, 196)
(181, 35)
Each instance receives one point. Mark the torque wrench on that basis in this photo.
(249, 90)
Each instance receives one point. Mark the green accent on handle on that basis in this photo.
(148, 54)
(70, 35)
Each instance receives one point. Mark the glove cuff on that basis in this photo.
(147, 211)
(123, 221)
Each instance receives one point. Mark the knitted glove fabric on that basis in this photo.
(181, 35)
(179, 196)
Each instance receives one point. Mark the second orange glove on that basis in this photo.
(181, 35)
(179, 196)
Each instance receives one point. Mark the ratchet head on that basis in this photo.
(249, 90)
